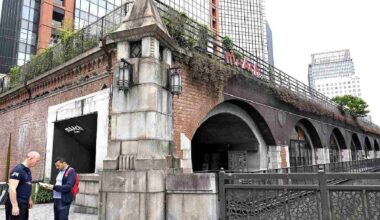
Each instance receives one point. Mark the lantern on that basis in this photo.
(175, 81)
(125, 75)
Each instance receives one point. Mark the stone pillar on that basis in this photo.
(346, 155)
(326, 155)
(371, 154)
(319, 155)
(377, 154)
(278, 157)
(192, 196)
(185, 162)
(133, 185)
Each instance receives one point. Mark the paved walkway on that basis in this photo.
(45, 212)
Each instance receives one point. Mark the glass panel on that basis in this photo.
(25, 12)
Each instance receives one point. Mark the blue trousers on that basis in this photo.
(61, 210)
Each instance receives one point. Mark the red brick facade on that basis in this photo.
(190, 108)
(24, 119)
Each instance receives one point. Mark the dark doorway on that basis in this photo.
(75, 140)
(224, 141)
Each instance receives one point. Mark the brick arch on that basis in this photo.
(312, 132)
(367, 144)
(376, 145)
(228, 128)
(258, 119)
(340, 138)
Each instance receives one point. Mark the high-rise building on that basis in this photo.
(18, 32)
(244, 22)
(333, 74)
(28, 26)
(270, 44)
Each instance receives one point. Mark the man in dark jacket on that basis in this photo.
(62, 189)
(20, 188)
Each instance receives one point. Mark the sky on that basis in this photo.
(303, 27)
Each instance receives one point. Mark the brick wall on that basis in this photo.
(190, 108)
(24, 119)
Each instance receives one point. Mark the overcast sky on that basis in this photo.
(303, 27)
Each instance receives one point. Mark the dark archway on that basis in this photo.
(336, 144)
(356, 148)
(367, 147)
(258, 119)
(376, 145)
(231, 139)
(302, 141)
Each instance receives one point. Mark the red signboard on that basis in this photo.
(254, 69)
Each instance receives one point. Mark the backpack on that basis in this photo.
(3, 193)
(75, 188)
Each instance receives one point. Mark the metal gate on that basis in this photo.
(299, 195)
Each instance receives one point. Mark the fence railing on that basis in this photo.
(299, 195)
(68, 48)
(355, 166)
(3, 192)
(188, 33)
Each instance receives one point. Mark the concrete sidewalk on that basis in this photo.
(45, 212)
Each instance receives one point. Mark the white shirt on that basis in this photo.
(58, 182)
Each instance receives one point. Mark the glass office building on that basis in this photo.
(29, 26)
(244, 22)
(18, 32)
(88, 11)
(333, 74)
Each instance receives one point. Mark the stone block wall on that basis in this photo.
(192, 196)
(87, 200)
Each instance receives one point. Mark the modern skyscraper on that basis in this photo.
(333, 74)
(270, 44)
(18, 32)
(244, 22)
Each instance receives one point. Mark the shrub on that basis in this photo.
(42, 195)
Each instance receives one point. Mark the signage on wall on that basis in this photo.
(243, 63)
(74, 129)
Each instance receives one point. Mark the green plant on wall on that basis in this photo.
(227, 43)
(14, 75)
(207, 70)
(204, 34)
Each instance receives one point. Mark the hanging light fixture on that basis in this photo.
(125, 75)
(175, 81)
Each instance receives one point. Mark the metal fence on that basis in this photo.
(299, 195)
(70, 46)
(3, 192)
(189, 34)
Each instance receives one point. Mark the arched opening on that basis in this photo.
(229, 138)
(336, 144)
(303, 139)
(367, 148)
(376, 147)
(356, 148)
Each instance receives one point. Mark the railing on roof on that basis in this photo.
(88, 38)
(268, 73)
(79, 42)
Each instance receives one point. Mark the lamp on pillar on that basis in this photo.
(125, 75)
(175, 81)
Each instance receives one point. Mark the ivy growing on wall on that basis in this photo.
(70, 45)
(204, 69)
